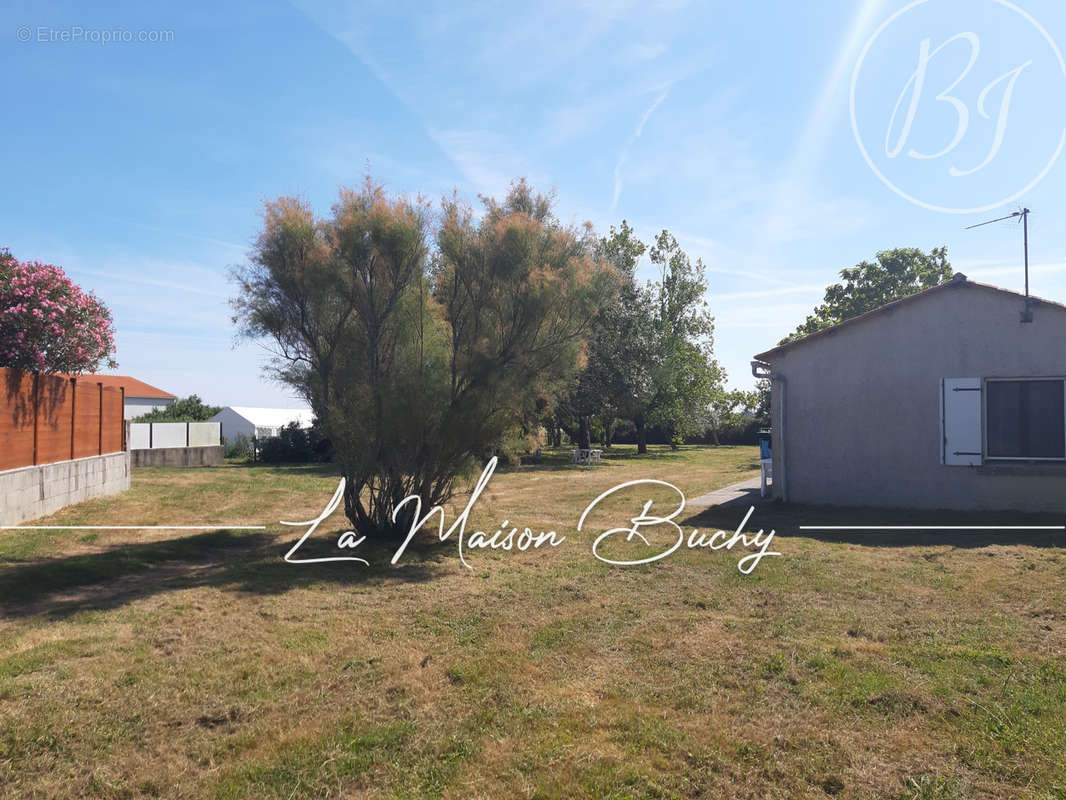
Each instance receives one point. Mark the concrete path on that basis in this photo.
(744, 493)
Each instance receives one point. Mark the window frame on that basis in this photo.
(984, 418)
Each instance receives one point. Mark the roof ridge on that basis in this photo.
(958, 280)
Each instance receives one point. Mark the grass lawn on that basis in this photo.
(199, 664)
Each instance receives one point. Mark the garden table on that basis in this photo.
(582, 456)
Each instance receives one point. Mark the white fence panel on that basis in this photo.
(168, 434)
(155, 435)
(205, 434)
(139, 435)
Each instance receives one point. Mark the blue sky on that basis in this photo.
(141, 167)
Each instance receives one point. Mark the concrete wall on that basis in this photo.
(178, 457)
(862, 405)
(32, 492)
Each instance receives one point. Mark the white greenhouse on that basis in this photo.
(259, 423)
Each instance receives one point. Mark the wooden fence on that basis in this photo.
(49, 418)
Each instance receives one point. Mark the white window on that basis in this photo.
(992, 419)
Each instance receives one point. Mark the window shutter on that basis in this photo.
(960, 422)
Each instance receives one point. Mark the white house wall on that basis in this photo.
(136, 406)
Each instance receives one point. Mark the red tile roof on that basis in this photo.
(133, 387)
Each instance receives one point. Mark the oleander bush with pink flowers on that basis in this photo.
(47, 323)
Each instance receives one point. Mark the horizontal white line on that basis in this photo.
(130, 527)
(932, 527)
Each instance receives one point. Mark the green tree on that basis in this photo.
(294, 445)
(868, 285)
(186, 409)
(419, 354)
(616, 380)
(685, 375)
(759, 402)
(651, 349)
(737, 415)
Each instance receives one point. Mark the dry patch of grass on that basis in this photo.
(172, 664)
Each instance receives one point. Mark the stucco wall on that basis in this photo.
(136, 406)
(862, 415)
(32, 492)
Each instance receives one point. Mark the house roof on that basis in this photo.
(957, 282)
(133, 387)
(272, 417)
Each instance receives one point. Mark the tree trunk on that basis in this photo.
(642, 434)
(556, 432)
(584, 433)
(608, 433)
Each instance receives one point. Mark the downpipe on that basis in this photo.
(761, 370)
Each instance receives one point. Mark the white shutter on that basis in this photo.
(960, 422)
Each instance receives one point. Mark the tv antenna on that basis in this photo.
(1027, 315)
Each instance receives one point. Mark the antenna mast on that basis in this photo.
(1027, 315)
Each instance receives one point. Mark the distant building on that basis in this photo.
(259, 423)
(141, 398)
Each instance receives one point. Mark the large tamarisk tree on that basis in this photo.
(419, 345)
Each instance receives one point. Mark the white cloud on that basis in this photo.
(808, 289)
(799, 213)
(646, 51)
(1014, 271)
(633, 137)
(792, 213)
(180, 234)
(126, 277)
(485, 158)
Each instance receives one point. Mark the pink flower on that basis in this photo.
(49, 323)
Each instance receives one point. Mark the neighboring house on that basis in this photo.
(141, 398)
(259, 423)
(945, 399)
